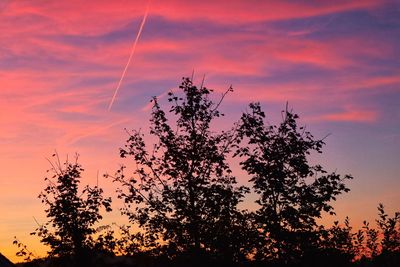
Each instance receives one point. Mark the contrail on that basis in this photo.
(131, 55)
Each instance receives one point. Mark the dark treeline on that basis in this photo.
(182, 198)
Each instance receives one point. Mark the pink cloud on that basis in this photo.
(94, 17)
(353, 115)
(314, 53)
(381, 81)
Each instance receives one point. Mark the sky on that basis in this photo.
(337, 64)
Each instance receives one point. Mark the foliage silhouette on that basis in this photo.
(184, 192)
(292, 192)
(390, 228)
(23, 250)
(72, 214)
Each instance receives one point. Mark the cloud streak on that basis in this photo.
(130, 56)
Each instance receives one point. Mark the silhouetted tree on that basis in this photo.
(72, 214)
(292, 192)
(183, 196)
(182, 192)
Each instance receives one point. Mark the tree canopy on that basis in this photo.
(185, 194)
(185, 197)
(292, 192)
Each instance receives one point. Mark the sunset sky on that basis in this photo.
(337, 63)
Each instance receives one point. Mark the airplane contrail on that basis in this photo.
(131, 55)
